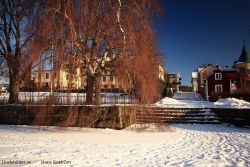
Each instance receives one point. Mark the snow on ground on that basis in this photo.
(188, 96)
(231, 103)
(173, 103)
(182, 100)
(186, 145)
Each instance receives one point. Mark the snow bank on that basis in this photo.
(231, 103)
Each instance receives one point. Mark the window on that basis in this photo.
(105, 86)
(218, 88)
(247, 71)
(67, 76)
(111, 78)
(218, 76)
(248, 83)
(104, 79)
(231, 72)
(46, 75)
(46, 84)
(237, 81)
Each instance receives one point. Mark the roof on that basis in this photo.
(244, 57)
(201, 69)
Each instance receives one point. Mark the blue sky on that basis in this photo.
(196, 31)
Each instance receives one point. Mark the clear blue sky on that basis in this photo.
(196, 31)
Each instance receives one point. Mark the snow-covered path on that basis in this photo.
(188, 96)
(188, 145)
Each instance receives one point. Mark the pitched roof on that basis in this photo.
(244, 57)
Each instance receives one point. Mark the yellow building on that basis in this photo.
(59, 79)
(73, 77)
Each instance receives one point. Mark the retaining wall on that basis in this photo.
(237, 117)
(116, 117)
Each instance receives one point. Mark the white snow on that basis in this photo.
(231, 103)
(173, 103)
(188, 96)
(185, 145)
(194, 100)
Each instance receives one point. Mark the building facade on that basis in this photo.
(74, 77)
(212, 79)
(174, 79)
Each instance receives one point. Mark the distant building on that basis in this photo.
(212, 79)
(194, 81)
(73, 77)
(4, 86)
(174, 80)
(243, 64)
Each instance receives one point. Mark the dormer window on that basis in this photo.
(218, 76)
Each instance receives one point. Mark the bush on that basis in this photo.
(239, 93)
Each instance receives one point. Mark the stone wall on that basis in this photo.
(116, 117)
(237, 117)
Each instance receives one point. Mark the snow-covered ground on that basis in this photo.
(184, 145)
(194, 100)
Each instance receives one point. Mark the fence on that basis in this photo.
(66, 99)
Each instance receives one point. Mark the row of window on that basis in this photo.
(111, 79)
(104, 79)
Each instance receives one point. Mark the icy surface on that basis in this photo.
(186, 145)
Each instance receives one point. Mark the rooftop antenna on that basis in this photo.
(244, 43)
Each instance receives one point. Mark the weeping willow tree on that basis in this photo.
(105, 34)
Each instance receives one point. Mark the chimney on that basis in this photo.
(234, 64)
(217, 66)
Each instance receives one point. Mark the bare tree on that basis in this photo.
(15, 17)
(106, 34)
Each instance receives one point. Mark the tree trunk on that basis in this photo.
(14, 85)
(90, 89)
(97, 89)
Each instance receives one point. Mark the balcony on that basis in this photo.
(176, 83)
